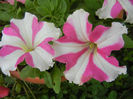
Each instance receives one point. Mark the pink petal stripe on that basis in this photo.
(3, 91)
(66, 39)
(47, 47)
(6, 50)
(70, 59)
(112, 60)
(131, 1)
(70, 34)
(97, 33)
(13, 30)
(36, 27)
(92, 71)
(107, 50)
(11, 2)
(29, 59)
(116, 9)
(22, 1)
(21, 59)
(105, 2)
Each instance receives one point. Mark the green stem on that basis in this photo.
(27, 86)
(25, 91)
(29, 90)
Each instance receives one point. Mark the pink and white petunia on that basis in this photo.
(12, 1)
(86, 52)
(27, 39)
(112, 9)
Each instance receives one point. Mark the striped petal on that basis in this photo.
(41, 59)
(78, 24)
(25, 27)
(128, 7)
(109, 66)
(110, 9)
(47, 31)
(10, 57)
(111, 39)
(65, 48)
(76, 64)
(86, 65)
(11, 36)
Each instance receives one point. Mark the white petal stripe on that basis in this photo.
(76, 72)
(105, 11)
(65, 48)
(8, 62)
(25, 27)
(12, 40)
(112, 35)
(42, 59)
(78, 20)
(48, 30)
(126, 4)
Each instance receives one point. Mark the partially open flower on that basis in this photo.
(12, 1)
(3, 91)
(27, 39)
(86, 52)
(112, 9)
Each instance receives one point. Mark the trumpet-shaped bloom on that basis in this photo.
(112, 9)
(86, 52)
(12, 1)
(3, 91)
(27, 39)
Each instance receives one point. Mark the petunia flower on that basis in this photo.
(86, 52)
(12, 1)
(112, 9)
(3, 91)
(27, 39)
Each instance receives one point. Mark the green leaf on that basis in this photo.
(128, 41)
(9, 80)
(43, 11)
(48, 79)
(19, 12)
(56, 76)
(112, 95)
(4, 16)
(44, 4)
(18, 88)
(63, 6)
(29, 4)
(93, 4)
(53, 9)
(29, 72)
(54, 4)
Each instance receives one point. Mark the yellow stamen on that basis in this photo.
(92, 45)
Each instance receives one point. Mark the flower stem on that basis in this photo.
(29, 90)
(27, 86)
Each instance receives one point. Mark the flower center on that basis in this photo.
(92, 45)
(27, 49)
